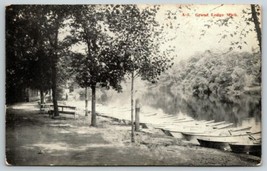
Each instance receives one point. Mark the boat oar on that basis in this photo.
(251, 137)
(230, 132)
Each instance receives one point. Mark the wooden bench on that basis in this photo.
(71, 110)
(44, 108)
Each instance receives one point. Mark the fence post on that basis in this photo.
(137, 111)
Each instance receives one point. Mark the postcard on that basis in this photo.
(133, 85)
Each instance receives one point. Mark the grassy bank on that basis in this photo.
(35, 139)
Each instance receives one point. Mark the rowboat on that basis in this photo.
(254, 149)
(181, 127)
(186, 123)
(222, 142)
(183, 121)
(216, 123)
(166, 123)
(176, 129)
(176, 134)
(192, 136)
(169, 116)
(206, 122)
(166, 132)
(223, 126)
(155, 120)
(150, 114)
(214, 144)
(238, 129)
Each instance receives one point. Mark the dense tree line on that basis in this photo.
(229, 73)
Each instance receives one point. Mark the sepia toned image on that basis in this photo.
(133, 85)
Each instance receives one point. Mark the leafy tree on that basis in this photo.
(137, 28)
(26, 49)
(231, 73)
(15, 67)
(37, 47)
(55, 16)
(102, 64)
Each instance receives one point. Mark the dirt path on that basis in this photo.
(36, 139)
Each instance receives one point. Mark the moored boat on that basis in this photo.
(176, 134)
(206, 122)
(216, 123)
(187, 124)
(214, 144)
(254, 149)
(222, 142)
(150, 114)
(238, 129)
(223, 126)
(193, 135)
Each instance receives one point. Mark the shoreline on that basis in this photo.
(36, 139)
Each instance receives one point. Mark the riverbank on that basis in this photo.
(35, 139)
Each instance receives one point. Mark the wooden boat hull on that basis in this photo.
(220, 135)
(214, 144)
(254, 149)
(216, 123)
(193, 136)
(166, 132)
(223, 142)
(176, 135)
(189, 136)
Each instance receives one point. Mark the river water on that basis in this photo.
(243, 110)
(234, 109)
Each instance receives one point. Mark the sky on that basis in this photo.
(189, 23)
(182, 32)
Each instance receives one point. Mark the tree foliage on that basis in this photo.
(210, 72)
(136, 29)
(119, 39)
(251, 15)
(32, 42)
(27, 53)
(102, 64)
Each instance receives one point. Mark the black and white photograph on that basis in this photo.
(133, 85)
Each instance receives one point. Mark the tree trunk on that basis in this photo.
(93, 120)
(137, 112)
(132, 107)
(54, 87)
(42, 96)
(54, 70)
(256, 22)
(86, 101)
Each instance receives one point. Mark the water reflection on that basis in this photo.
(213, 107)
